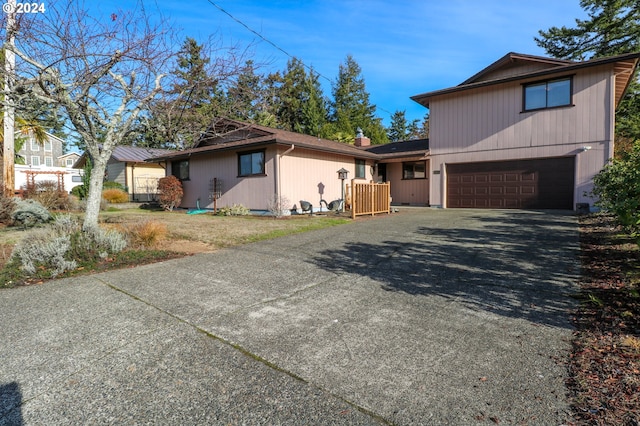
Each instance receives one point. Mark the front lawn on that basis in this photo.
(183, 235)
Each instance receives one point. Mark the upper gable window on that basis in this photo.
(547, 94)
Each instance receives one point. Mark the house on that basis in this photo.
(248, 164)
(405, 165)
(68, 160)
(35, 154)
(44, 162)
(128, 167)
(524, 132)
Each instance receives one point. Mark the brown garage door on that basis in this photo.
(523, 184)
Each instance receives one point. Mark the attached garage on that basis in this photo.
(523, 184)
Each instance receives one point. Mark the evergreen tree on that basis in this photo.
(189, 105)
(300, 104)
(351, 107)
(612, 27)
(399, 128)
(250, 99)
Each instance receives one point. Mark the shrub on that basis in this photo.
(234, 210)
(47, 193)
(113, 185)
(618, 188)
(79, 191)
(115, 196)
(170, 192)
(59, 247)
(278, 205)
(29, 213)
(145, 234)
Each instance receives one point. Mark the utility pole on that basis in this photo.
(8, 154)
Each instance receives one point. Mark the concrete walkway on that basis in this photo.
(421, 317)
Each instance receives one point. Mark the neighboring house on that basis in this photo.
(43, 163)
(128, 167)
(525, 132)
(68, 160)
(35, 154)
(253, 163)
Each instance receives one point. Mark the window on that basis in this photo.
(69, 162)
(415, 170)
(360, 169)
(76, 178)
(35, 161)
(251, 163)
(47, 145)
(180, 169)
(547, 94)
(34, 145)
(48, 161)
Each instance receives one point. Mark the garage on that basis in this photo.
(523, 184)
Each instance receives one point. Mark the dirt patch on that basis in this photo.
(186, 246)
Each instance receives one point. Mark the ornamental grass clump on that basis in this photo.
(115, 196)
(145, 234)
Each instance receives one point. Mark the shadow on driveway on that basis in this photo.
(517, 264)
(10, 402)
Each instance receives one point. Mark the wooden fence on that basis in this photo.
(369, 198)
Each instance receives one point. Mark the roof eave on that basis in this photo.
(424, 98)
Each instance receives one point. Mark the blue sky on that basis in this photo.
(404, 47)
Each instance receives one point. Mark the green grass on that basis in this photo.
(318, 224)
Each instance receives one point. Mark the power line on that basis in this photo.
(277, 47)
(266, 39)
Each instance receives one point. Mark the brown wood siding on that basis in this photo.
(491, 118)
(526, 184)
(407, 191)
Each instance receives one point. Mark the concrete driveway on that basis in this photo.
(421, 317)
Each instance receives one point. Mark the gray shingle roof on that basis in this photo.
(132, 154)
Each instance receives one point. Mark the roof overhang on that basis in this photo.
(624, 67)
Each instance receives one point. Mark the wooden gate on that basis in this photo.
(369, 198)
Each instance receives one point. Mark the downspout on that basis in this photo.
(278, 171)
(133, 182)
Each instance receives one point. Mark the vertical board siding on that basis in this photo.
(488, 124)
(408, 191)
(252, 192)
(311, 175)
(298, 175)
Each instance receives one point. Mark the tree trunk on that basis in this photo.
(94, 197)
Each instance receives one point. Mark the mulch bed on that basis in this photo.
(604, 381)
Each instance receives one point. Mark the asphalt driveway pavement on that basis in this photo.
(421, 317)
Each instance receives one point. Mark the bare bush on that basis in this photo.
(278, 205)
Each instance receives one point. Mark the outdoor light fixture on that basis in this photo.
(342, 175)
(586, 148)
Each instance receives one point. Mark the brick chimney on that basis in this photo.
(361, 139)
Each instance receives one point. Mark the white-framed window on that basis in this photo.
(48, 161)
(35, 160)
(34, 145)
(69, 162)
(47, 146)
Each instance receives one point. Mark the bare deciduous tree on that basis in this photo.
(101, 70)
